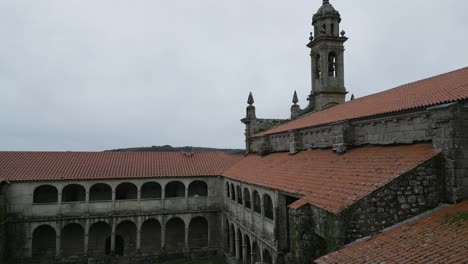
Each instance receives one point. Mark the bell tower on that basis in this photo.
(327, 59)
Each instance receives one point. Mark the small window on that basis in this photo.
(332, 65)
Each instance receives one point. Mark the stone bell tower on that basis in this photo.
(327, 59)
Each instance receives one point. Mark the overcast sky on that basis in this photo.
(92, 74)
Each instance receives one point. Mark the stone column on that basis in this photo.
(87, 201)
(163, 198)
(138, 234)
(186, 197)
(112, 249)
(59, 202)
(58, 241)
(209, 234)
(262, 206)
(113, 200)
(86, 238)
(231, 239)
(186, 239)
(252, 257)
(29, 241)
(237, 246)
(163, 231)
(244, 253)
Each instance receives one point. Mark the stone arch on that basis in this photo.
(100, 192)
(257, 202)
(45, 194)
(267, 257)
(175, 234)
(99, 232)
(268, 206)
(239, 194)
(233, 192)
(175, 189)
(198, 232)
(227, 190)
(198, 188)
(126, 191)
(247, 201)
(248, 247)
(151, 190)
(72, 240)
(150, 235)
(73, 193)
(256, 252)
(127, 231)
(43, 241)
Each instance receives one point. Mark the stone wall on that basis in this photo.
(405, 197)
(3, 227)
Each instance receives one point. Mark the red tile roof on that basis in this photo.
(445, 88)
(327, 180)
(440, 237)
(35, 166)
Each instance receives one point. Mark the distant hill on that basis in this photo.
(168, 148)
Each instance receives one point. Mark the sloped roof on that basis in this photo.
(440, 237)
(327, 180)
(40, 166)
(445, 88)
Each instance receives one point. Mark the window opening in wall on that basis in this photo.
(126, 191)
(45, 194)
(175, 234)
(72, 240)
(233, 192)
(43, 241)
(249, 251)
(198, 232)
(332, 66)
(239, 243)
(100, 192)
(73, 193)
(175, 189)
(324, 29)
(247, 198)
(150, 236)
(268, 204)
(226, 236)
(227, 190)
(198, 188)
(332, 29)
(239, 194)
(318, 69)
(257, 202)
(232, 244)
(151, 190)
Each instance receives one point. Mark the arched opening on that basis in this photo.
(247, 201)
(257, 202)
(151, 190)
(45, 194)
(175, 189)
(198, 188)
(256, 252)
(232, 244)
(318, 70)
(151, 236)
(268, 206)
(98, 233)
(226, 235)
(239, 244)
(72, 243)
(239, 194)
(43, 241)
(175, 234)
(119, 245)
(73, 193)
(324, 29)
(332, 29)
(227, 190)
(127, 230)
(332, 65)
(198, 232)
(267, 257)
(100, 192)
(233, 192)
(126, 191)
(248, 248)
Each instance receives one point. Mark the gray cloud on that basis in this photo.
(94, 75)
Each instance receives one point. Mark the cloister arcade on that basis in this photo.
(121, 236)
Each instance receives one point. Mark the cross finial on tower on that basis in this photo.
(250, 101)
(326, 2)
(295, 100)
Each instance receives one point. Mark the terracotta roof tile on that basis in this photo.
(327, 180)
(440, 237)
(35, 166)
(445, 88)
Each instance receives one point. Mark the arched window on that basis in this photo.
(198, 188)
(100, 192)
(73, 193)
(267, 257)
(239, 243)
(247, 202)
(198, 232)
(175, 189)
(257, 257)
(232, 243)
(239, 194)
(127, 231)
(151, 190)
(72, 242)
(332, 29)
(43, 241)
(175, 234)
(99, 233)
(332, 65)
(45, 194)
(233, 192)
(268, 206)
(226, 236)
(151, 236)
(257, 202)
(227, 190)
(248, 248)
(318, 70)
(126, 191)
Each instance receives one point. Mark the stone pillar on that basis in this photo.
(186, 239)
(87, 201)
(29, 241)
(163, 198)
(112, 249)
(163, 231)
(186, 197)
(58, 241)
(244, 253)
(209, 234)
(59, 202)
(237, 246)
(86, 237)
(262, 208)
(231, 244)
(252, 257)
(138, 234)
(113, 200)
